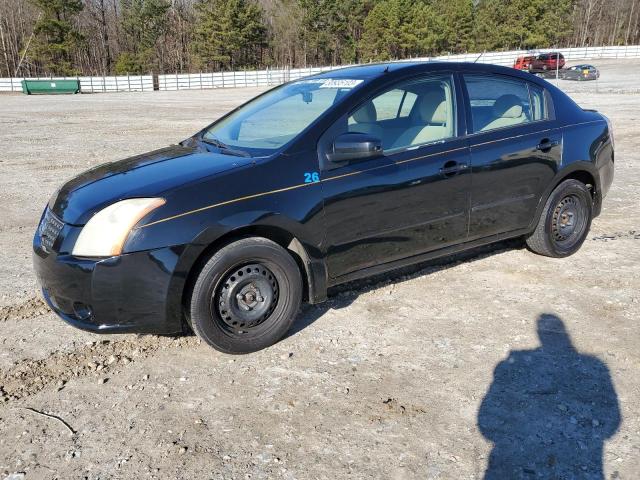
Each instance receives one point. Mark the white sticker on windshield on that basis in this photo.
(340, 83)
(331, 82)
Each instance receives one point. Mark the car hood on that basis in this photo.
(146, 175)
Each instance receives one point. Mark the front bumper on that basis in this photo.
(130, 293)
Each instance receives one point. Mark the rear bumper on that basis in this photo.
(605, 166)
(131, 293)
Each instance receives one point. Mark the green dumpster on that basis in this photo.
(50, 86)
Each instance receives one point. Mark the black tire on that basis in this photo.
(565, 221)
(246, 296)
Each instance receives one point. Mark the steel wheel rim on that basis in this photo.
(568, 221)
(245, 298)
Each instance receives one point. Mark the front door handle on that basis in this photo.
(452, 168)
(547, 144)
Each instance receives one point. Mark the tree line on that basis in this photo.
(101, 37)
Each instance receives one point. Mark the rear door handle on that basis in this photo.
(547, 144)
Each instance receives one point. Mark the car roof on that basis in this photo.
(367, 71)
(373, 71)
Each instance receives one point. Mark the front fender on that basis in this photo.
(196, 239)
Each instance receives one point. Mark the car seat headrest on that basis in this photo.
(366, 114)
(507, 106)
(433, 106)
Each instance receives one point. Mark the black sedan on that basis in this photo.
(580, 72)
(315, 183)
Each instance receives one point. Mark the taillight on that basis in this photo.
(610, 128)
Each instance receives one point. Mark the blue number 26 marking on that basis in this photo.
(311, 177)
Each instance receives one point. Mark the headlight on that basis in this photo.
(104, 235)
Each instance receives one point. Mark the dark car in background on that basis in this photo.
(315, 183)
(547, 61)
(580, 72)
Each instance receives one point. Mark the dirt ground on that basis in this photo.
(436, 373)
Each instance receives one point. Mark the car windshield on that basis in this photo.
(272, 120)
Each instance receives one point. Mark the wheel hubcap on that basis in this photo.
(246, 297)
(568, 219)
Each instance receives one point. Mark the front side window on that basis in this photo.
(272, 120)
(412, 113)
(497, 102)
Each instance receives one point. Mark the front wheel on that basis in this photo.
(246, 296)
(564, 222)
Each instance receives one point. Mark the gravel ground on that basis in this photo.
(442, 372)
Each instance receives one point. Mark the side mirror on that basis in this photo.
(355, 146)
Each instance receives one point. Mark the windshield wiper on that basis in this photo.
(224, 148)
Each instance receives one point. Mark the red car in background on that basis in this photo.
(547, 61)
(524, 62)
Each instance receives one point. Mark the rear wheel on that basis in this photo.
(246, 296)
(564, 222)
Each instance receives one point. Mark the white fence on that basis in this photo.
(257, 78)
(570, 54)
(274, 77)
(122, 83)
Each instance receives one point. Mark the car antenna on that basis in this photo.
(478, 57)
(386, 69)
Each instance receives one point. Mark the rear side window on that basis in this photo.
(539, 109)
(387, 105)
(395, 103)
(497, 102)
(407, 104)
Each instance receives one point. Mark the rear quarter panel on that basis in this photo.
(587, 142)
(588, 145)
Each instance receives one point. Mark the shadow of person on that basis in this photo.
(548, 411)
